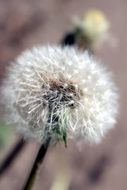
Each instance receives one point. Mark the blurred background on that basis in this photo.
(99, 167)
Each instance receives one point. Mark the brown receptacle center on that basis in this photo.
(67, 90)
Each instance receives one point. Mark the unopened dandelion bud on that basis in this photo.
(92, 27)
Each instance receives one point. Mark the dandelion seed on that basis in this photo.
(85, 90)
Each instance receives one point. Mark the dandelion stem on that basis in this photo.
(40, 157)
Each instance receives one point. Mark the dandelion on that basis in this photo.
(92, 28)
(56, 93)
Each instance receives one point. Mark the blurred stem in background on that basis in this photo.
(62, 179)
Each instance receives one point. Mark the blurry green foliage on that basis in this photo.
(5, 134)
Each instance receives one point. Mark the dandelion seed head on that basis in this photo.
(43, 100)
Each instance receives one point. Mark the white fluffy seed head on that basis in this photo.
(44, 100)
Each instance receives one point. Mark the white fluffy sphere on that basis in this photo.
(51, 91)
